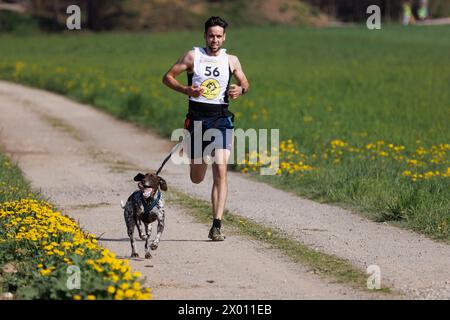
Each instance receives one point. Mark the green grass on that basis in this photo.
(13, 185)
(315, 85)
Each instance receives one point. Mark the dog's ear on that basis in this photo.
(139, 177)
(162, 184)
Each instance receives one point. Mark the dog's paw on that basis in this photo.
(134, 255)
(148, 255)
(154, 246)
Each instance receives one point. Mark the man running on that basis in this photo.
(209, 72)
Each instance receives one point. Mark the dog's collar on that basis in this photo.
(155, 201)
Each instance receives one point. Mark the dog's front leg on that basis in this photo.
(131, 235)
(147, 236)
(148, 230)
(160, 229)
(139, 227)
(130, 222)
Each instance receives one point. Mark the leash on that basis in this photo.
(148, 208)
(168, 157)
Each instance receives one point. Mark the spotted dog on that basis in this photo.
(145, 206)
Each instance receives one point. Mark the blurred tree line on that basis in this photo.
(99, 15)
(355, 10)
(51, 14)
(160, 15)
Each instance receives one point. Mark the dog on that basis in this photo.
(145, 206)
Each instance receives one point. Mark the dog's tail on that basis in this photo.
(122, 204)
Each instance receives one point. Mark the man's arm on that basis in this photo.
(242, 82)
(185, 63)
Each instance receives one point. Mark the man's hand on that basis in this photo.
(235, 91)
(194, 91)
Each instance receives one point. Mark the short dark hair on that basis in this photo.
(215, 21)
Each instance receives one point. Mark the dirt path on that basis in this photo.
(83, 160)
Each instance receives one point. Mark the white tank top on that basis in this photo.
(212, 73)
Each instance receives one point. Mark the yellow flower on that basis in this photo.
(76, 297)
(45, 272)
(307, 119)
(145, 296)
(91, 297)
(19, 66)
(111, 289)
(430, 174)
(136, 286)
(129, 293)
(58, 252)
(119, 295)
(337, 143)
(99, 269)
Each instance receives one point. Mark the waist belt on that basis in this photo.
(201, 111)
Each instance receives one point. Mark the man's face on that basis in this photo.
(214, 37)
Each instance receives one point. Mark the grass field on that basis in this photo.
(363, 115)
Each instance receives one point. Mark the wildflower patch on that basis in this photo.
(42, 245)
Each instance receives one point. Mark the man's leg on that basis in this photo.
(219, 189)
(220, 186)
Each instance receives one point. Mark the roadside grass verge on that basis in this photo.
(12, 184)
(322, 264)
(45, 255)
(367, 187)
